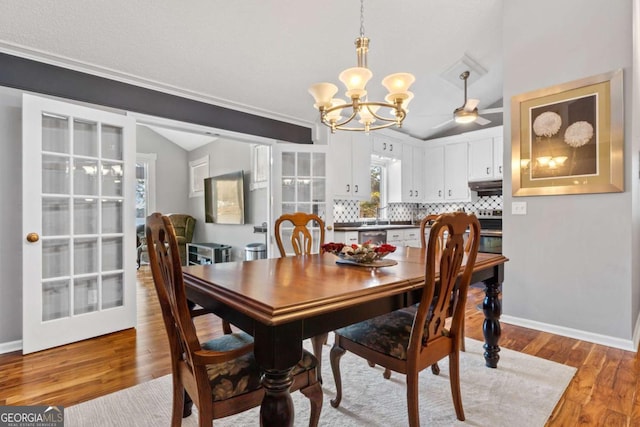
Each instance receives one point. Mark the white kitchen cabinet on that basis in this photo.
(412, 237)
(434, 173)
(395, 237)
(412, 174)
(446, 173)
(498, 151)
(485, 158)
(346, 237)
(456, 181)
(404, 237)
(387, 147)
(350, 164)
(406, 177)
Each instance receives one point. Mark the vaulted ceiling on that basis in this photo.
(261, 56)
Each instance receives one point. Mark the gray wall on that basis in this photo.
(172, 170)
(226, 156)
(573, 259)
(11, 215)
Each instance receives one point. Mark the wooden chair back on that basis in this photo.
(444, 298)
(426, 221)
(188, 360)
(302, 235)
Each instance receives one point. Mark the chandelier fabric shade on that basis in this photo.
(339, 114)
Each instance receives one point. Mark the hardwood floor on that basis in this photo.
(602, 393)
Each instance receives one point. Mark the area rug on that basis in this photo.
(523, 390)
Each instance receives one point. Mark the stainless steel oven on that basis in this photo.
(490, 231)
(490, 241)
(377, 237)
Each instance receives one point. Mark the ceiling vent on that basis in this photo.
(452, 75)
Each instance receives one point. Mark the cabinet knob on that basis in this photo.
(348, 188)
(356, 188)
(329, 227)
(33, 237)
(488, 171)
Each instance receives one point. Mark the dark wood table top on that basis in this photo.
(280, 290)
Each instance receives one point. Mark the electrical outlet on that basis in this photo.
(518, 208)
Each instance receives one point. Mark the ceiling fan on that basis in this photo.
(468, 112)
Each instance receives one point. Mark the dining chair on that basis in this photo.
(428, 220)
(220, 376)
(408, 343)
(302, 243)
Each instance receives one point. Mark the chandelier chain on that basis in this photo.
(361, 18)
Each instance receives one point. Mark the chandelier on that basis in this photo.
(339, 114)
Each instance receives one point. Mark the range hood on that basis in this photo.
(487, 188)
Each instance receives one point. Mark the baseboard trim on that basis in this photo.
(8, 347)
(608, 341)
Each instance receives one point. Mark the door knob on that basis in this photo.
(33, 237)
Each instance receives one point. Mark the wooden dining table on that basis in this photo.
(282, 301)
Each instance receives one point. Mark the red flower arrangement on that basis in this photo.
(364, 253)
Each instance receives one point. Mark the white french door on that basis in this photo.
(78, 222)
(300, 185)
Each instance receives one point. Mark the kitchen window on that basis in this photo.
(378, 172)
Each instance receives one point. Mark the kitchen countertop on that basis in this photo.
(372, 227)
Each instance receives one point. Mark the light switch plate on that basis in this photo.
(518, 208)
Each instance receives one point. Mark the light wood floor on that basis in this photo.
(602, 393)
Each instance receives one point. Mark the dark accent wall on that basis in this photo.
(34, 76)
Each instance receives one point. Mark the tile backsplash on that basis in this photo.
(349, 210)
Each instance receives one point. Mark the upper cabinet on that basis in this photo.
(349, 165)
(446, 177)
(387, 147)
(412, 174)
(485, 154)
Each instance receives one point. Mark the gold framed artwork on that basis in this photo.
(569, 138)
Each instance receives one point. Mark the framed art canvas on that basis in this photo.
(568, 139)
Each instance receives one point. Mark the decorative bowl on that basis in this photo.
(365, 253)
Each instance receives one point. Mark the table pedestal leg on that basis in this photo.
(492, 308)
(277, 405)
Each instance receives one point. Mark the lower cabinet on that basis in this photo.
(346, 237)
(404, 237)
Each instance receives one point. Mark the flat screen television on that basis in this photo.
(224, 198)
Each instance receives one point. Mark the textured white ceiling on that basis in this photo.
(261, 56)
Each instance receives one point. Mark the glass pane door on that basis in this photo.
(76, 203)
(303, 186)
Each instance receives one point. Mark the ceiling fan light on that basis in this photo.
(323, 93)
(398, 83)
(462, 116)
(355, 79)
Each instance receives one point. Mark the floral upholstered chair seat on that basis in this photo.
(241, 375)
(387, 334)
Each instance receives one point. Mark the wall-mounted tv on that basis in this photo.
(224, 198)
